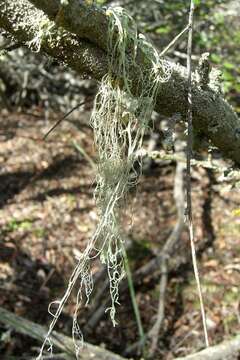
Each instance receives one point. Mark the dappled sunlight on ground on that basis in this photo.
(47, 215)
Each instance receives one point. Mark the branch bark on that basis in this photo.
(228, 350)
(23, 21)
(62, 342)
(88, 22)
(82, 46)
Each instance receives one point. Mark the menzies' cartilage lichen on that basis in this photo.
(121, 114)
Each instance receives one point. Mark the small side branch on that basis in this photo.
(162, 262)
(154, 332)
(188, 174)
(57, 123)
(174, 41)
(167, 251)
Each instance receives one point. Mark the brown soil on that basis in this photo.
(47, 215)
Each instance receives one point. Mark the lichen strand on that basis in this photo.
(119, 120)
(57, 42)
(78, 17)
(21, 20)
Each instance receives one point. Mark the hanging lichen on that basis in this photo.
(121, 114)
(119, 120)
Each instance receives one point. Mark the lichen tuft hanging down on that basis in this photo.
(119, 120)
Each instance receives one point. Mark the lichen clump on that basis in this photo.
(119, 120)
(121, 115)
(44, 31)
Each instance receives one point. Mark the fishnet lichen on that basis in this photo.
(119, 120)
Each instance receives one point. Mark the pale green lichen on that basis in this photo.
(119, 120)
(216, 81)
(44, 31)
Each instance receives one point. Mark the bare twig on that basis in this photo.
(188, 175)
(163, 257)
(65, 116)
(174, 41)
(166, 251)
(214, 165)
(154, 332)
(10, 47)
(227, 350)
(60, 341)
(133, 296)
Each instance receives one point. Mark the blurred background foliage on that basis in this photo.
(216, 31)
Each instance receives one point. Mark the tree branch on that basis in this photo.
(189, 214)
(226, 350)
(62, 342)
(23, 21)
(88, 22)
(168, 249)
(212, 115)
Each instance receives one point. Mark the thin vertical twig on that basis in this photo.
(133, 298)
(166, 253)
(188, 175)
(168, 249)
(154, 332)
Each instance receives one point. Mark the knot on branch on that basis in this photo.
(203, 70)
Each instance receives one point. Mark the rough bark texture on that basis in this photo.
(59, 341)
(22, 20)
(88, 22)
(85, 52)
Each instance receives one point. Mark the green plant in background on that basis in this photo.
(14, 224)
(216, 32)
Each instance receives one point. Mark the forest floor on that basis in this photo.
(47, 215)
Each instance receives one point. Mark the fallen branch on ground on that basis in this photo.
(227, 350)
(62, 342)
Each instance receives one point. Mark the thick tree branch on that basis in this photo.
(212, 115)
(88, 22)
(24, 21)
